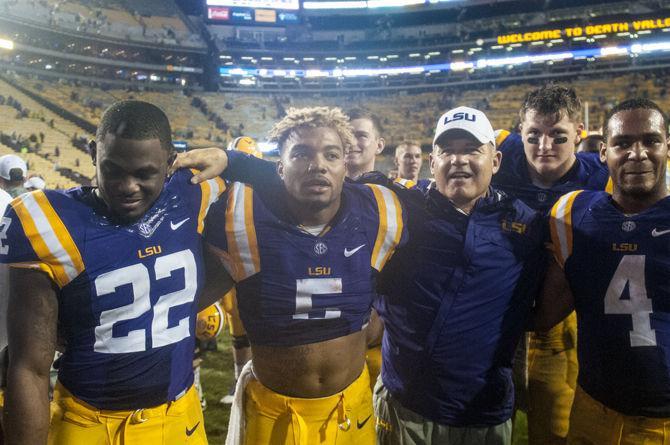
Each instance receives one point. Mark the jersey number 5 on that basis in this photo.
(631, 272)
(308, 287)
(137, 276)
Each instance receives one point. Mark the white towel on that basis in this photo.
(237, 422)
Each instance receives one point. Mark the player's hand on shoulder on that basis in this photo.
(210, 161)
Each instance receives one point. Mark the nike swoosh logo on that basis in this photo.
(348, 253)
(192, 430)
(362, 424)
(178, 225)
(656, 233)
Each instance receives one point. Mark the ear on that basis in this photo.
(497, 159)
(579, 128)
(92, 150)
(431, 159)
(603, 153)
(380, 145)
(280, 169)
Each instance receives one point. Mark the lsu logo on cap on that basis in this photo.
(459, 117)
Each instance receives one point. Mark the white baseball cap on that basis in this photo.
(36, 183)
(467, 119)
(9, 163)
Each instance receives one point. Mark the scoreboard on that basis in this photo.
(253, 12)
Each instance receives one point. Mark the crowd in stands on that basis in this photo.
(159, 23)
(204, 119)
(46, 39)
(218, 118)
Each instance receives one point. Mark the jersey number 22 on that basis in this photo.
(137, 276)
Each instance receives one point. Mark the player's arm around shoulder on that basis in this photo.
(33, 303)
(231, 243)
(388, 221)
(229, 165)
(556, 301)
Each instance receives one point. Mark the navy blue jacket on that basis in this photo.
(457, 298)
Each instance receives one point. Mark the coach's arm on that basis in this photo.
(32, 327)
(555, 301)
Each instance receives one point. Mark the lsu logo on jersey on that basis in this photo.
(513, 226)
(318, 271)
(624, 247)
(149, 251)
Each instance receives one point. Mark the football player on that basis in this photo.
(539, 165)
(369, 143)
(116, 271)
(408, 160)
(610, 265)
(304, 254)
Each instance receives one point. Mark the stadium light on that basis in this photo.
(650, 47)
(393, 3)
(335, 5)
(316, 73)
(6, 44)
(460, 66)
(613, 51)
(498, 62)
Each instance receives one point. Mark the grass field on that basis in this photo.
(217, 375)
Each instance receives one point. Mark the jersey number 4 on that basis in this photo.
(137, 276)
(631, 272)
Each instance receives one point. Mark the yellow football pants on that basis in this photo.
(235, 326)
(374, 361)
(552, 378)
(174, 423)
(592, 423)
(345, 418)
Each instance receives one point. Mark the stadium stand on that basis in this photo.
(404, 115)
(36, 129)
(156, 22)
